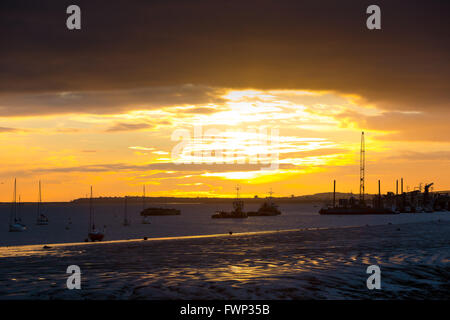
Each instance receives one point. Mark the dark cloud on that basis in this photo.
(166, 166)
(320, 45)
(106, 102)
(122, 126)
(403, 126)
(5, 129)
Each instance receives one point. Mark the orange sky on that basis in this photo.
(100, 106)
(318, 141)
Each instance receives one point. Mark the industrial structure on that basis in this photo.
(390, 203)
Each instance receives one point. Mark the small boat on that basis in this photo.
(15, 223)
(160, 212)
(146, 220)
(17, 227)
(41, 218)
(238, 210)
(69, 224)
(94, 234)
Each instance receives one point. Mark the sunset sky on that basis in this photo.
(99, 106)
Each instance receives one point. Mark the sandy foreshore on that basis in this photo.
(306, 264)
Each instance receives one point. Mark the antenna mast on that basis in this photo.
(15, 199)
(90, 212)
(362, 169)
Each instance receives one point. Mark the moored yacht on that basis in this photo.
(94, 234)
(15, 223)
(41, 218)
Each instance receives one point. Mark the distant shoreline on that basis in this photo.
(314, 198)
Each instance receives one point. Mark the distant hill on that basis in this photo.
(314, 198)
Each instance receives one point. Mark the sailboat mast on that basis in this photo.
(18, 207)
(12, 205)
(39, 200)
(125, 212)
(90, 211)
(15, 200)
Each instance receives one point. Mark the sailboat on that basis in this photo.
(69, 224)
(146, 219)
(126, 221)
(15, 223)
(41, 219)
(94, 234)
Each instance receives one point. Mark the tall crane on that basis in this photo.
(362, 168)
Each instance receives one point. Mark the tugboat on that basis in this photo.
(41, 219)
(268, 208)
(15, 223)
(237, 213)
(94, 234)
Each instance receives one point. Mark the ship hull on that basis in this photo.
(229, 215)
(17, 227)
(263, 213)
(96, 236)
(160, 212)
